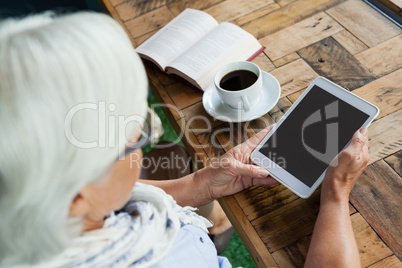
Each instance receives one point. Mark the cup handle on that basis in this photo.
(246, 104)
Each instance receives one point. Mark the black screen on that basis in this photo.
(313, 134)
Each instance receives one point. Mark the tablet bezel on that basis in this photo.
(284, 177)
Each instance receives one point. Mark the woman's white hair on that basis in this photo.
(65, 84)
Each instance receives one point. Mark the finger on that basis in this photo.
(264, 181)
(250, 170)
(257, 138)
(358, 142)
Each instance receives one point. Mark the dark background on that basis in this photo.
(18, 8)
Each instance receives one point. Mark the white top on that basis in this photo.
(150, 231)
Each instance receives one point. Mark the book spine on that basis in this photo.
(256, 54)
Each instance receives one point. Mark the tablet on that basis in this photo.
(321, 123)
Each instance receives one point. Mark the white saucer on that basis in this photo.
(215, 107)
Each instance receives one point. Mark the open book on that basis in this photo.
(194, 46)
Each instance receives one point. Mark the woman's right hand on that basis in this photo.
(346, 168)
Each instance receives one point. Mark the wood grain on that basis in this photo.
(232, 9)
(194, 148)
(377, 195)
(294, 76)
(260, 200)
(385, 93)
(362, 53)
(211, 144)
(183, 95)
(177, 7)
(284, 2)
(149, 22)
(243, 227)
(288, 223)
(364, 22)
(117, 2)
(198, 119)
(293, 255)
(389, 262)
(286, 16)
(231, 134)
(395, 161)
(371, 248)
(350, 42)
(257, 13)
(132, 9)
(170, 109)
(263, 62)
(299, 35)
(328, 58)
(286, 59)
(385, 137)
(383, 58)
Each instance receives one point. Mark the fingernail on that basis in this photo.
(363, 131)
(264, 172)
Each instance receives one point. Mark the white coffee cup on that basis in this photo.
(239, 97)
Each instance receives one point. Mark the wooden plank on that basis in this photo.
(299, 35)
(371, 248)
(109, 8)
(149, 22)
(263, 62)
(286, 16)
(293, 255)
(141, 39)
(177, 7)
(261, 200)
(211, 144)
(132, 9)
(294, 76)
(385, 93)
(395, 161)
(196, 150)
(284, 104)
(248, 234)
(260, 123)
(288, 223)
(385, 136)
(198, 119)
(116, 2)
(286, 59)
(383, 58)
(328, 58)
(232, 9)
(257, 13)
(284, 2)
(183, 95)
(389, 262)
(377, 196)
(293, 97)
(364, 22)
(231, 134)
(350, 42)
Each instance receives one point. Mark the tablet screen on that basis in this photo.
(313, 134)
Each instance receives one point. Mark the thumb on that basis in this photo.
(250, 170)
(359, 140)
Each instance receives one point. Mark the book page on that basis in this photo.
(225, 43)
(177, 36)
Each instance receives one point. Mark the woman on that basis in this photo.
(72, 99)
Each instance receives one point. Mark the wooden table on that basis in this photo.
(345, 41)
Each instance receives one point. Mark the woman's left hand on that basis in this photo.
(235, 171)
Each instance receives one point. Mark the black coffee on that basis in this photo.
(238, 80)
